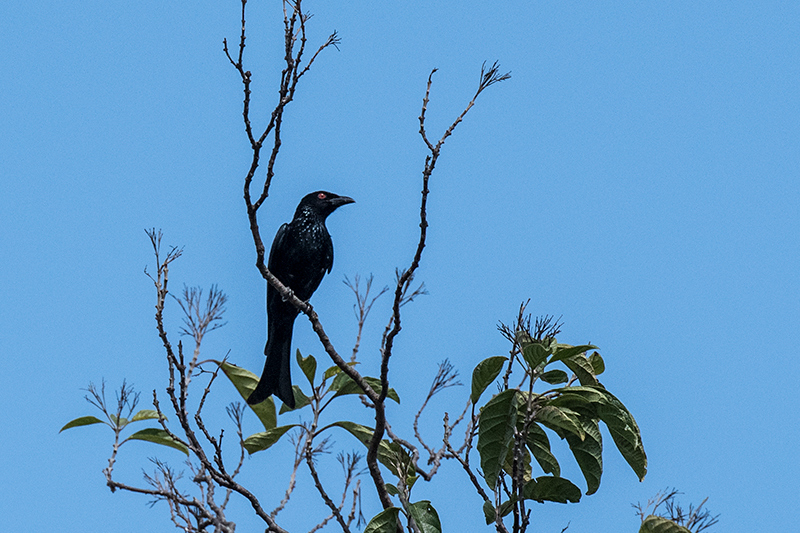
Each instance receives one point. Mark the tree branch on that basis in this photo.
(488, 78)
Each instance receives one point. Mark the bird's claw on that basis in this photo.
(288, 296)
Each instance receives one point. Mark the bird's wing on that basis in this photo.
(280, 263)
(277, 244)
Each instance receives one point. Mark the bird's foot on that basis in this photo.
(288, 296)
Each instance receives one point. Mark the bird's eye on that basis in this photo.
(321, 196)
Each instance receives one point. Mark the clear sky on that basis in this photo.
(639, 176)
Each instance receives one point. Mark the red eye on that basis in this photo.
(321, 196)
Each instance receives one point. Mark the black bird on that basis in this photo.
(301, 254)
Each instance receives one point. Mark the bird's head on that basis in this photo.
(322, 203)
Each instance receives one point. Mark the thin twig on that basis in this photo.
(362, 307)
(488, 78)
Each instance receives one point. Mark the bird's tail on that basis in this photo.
(276, 378)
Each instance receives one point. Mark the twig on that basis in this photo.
(335, 510)
(362, 307)
(298, 458)
(446, 376)
(177, 365)
(488, 78)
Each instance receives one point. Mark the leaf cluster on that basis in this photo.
(126, 400)
(515, 425)
(324, 389)
(332, 384)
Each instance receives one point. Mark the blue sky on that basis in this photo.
(639, 176)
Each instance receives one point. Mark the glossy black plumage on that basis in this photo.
(301, 254)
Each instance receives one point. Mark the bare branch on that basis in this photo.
(695, 519)
(488, 78)
(290, 75)
(299, 443)
(215, 468)
(200, 319)
(446, 376)
(349, 464)
(335, 510)
(362, 306)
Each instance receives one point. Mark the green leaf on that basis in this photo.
(362, 433)
(308, 365)
(118, 422)
(330, 372)
(625, 432)
(522, 337)
(339, 380)
(596, 360)
(551, 489)
(388, 453)
(535, 354)
(300, 401)
(265, 411)
(554, 377)
(344, 384)
(658, 524)
(82, 421)
(496, 425)
(565, 351)
(576, 402)
(158, 436)
(261, 441)
(425, 516)
(146, 414)
(557, 418)
(507, 506)
(539, 445)
(391, 489)
(384, 522)
(525, 456)
(592, 395)
(588, 453)
(484, 374)
(582, 368)
(245, 383)
(489, 512)
(334, 370)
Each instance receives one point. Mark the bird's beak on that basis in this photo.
(342, 200)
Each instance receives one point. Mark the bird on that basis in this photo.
(301, 254)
